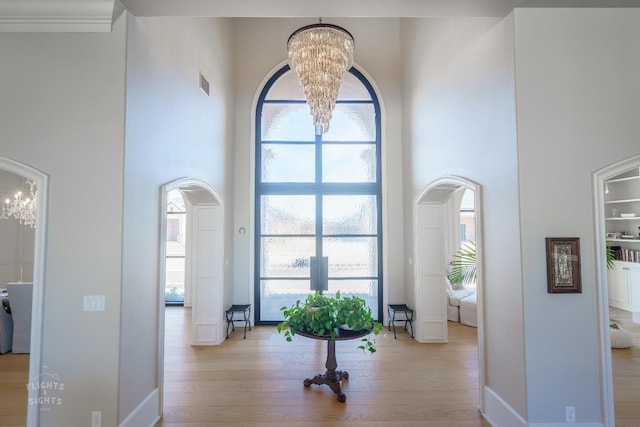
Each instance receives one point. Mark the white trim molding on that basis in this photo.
(56, 15)
(146, 413)
(39, 282)
(198, 194)
(446, 185)
(602, 287)
(498, 412)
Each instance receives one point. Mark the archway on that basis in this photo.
(599, 177)
(204, 264)
(41, 180)
(435, 225)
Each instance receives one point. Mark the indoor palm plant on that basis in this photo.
(323, 315)
(463, 269)
(611, 257)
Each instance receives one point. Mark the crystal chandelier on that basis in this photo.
(22, 209)
(320, 54)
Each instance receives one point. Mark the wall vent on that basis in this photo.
(204, 84)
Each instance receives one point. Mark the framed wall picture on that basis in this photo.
(563, 265)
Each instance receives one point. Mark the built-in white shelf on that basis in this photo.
(628, 178)
(622, 201)
(623, 192)
(623, 208)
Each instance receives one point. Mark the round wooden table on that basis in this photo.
(332, 377)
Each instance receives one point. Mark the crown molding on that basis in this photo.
(351, 8)
(56, 15)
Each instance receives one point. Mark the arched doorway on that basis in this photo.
(204, 264)
(600, 188)
(436, 222)
(41, 180)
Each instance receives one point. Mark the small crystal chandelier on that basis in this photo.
(22, 209)
(320, 54)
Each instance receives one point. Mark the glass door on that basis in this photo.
(316, 195)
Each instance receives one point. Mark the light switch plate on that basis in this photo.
(93, 303)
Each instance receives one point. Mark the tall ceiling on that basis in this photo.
(351, 8)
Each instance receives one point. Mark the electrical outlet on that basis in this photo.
(93, 303)
(571, 414)
(96, 419)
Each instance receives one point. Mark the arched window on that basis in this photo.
(317, 195)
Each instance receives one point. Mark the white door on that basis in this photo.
(207, 253)
(431, 314)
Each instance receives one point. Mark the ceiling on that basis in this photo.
(98, 15)
(198, 195)
(351, 8)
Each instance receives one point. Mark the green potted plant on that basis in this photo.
(614, 323)
(611, 257)
(464, 267)
(315, 316)
(354, 314)
(323, 315)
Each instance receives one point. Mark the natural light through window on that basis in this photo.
(175, 248)
(317, 195)
(468, 225)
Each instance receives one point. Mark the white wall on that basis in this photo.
(460, 120)
(377, 53)
(578, 107)
(173, 131)
(16, 251)
(62, 112)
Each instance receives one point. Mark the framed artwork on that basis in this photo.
(563, 265)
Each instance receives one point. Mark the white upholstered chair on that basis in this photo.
(6, 331)
(20, 297)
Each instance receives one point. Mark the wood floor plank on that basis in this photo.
(258, 381)
(626, 374)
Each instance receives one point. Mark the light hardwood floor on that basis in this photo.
(258, 381)
(626, 374)
(14, 376)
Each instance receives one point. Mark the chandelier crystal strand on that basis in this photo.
(320, 54)
(22, 209)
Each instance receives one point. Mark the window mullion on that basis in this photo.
(285, 255)
(319, 194)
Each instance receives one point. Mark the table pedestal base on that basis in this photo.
(331, 377)
(333, 384)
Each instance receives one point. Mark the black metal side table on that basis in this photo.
(392, 309)
(245, 310)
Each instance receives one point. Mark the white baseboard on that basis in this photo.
(207, 333)
(566, 425)
(146, 413)
(498, 412)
